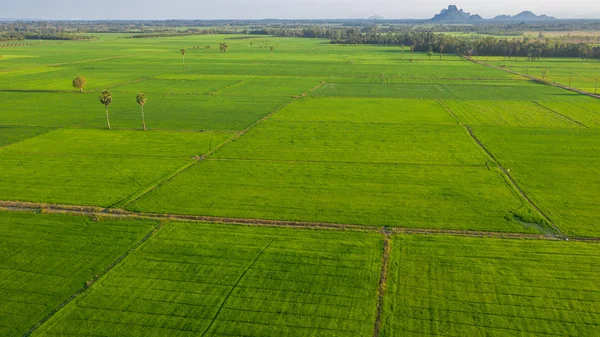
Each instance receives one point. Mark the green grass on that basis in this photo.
(585, 110)
(95, 167)
(456, 286)
(188, 112)
(467, 90)
(119, 143)
(565, 71)
(271, 87)
(349, 170)
(14, 134)
(359, 131)
(428, 196)
(208, 280)
(375, 144)
(375, 116)
(160, 87)
(558, 167)
(50, 109)
(167, 112)
(507, 113)
(47, 258)
(366, 111)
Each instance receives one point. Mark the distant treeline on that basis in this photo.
(13, 36)
(471, 45)
(187, 32)
(502, 39)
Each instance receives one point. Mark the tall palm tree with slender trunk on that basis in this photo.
(141, 100)
(106, 98)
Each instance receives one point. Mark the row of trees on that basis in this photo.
(20, 36)
(426, 41)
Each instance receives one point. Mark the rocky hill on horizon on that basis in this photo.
(453, 14)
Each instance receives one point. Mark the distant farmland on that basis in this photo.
(309, 190)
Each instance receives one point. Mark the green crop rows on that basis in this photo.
(314, 134)
(198, 280)
(45, 259)
(452, 286)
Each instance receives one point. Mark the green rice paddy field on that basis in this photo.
(351, 137)
(583, 75)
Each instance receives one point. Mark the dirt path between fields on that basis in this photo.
(95, 279)
(17, 206)
(506, 173)
(385, 263)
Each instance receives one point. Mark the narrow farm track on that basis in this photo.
(382, 281)
(15, 206)
(536, 79)
(91, 282)
(506, 173)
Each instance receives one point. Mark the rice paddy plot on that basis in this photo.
(50, 109)
(47, 258)
(559, 167)
(508, 113)
(408, 132)
(232, 64)
(119, 143)
(459, 286)
(422, 196)
(189, 112)
(356, 143)
(585, 110)
(99, 76)
(566, 71)
(469, 90)
(175, 87)
(13, 134)
(367, 111)
(212, 280)
(80, 180)
(272, 87)
(95, 167)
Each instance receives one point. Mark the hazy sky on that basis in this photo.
(282, 9)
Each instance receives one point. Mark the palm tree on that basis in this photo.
(106, 98)
(183, 57)
(141, 100)
(79, 82)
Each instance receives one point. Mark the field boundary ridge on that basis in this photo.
(382, 286)
(18, 206)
